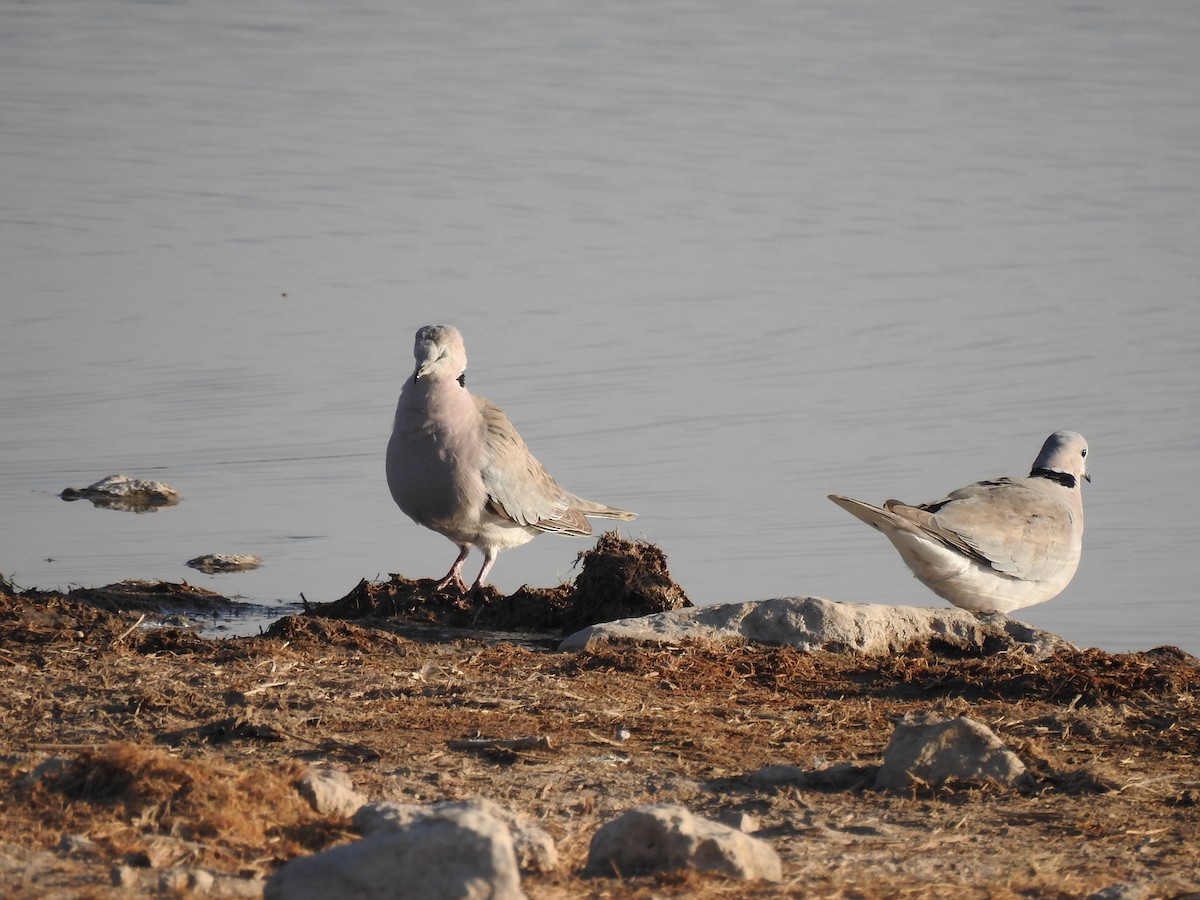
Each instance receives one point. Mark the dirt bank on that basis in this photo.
(163, 752)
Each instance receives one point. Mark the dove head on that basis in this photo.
(440, 353)
(1063, 459)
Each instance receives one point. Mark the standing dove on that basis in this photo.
(456, 464)
(994, 546)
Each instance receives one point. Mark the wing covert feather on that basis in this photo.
(1016, 526)
(517, 485)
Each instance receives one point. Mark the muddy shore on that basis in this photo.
(132, 759)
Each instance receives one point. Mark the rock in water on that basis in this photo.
(213, 563)
(125, 493)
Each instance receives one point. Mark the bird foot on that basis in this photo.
(452, 581)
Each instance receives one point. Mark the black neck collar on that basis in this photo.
(462, 379)
(1066, 479)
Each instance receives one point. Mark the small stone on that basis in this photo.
(667, 837)
(330, 792)
(926, 750)
(123, 492)
(454, 854)
(215, 563)
(535, 848)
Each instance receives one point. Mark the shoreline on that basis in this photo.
(1109, 742)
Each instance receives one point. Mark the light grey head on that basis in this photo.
(440, 353)
(1063, 458)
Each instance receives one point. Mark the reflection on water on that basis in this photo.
(715, 262)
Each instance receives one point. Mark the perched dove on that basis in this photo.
(994, 546)
(456, 464)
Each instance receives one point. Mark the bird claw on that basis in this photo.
(452, 581)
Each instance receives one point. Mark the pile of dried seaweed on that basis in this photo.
(151, 808)
(617, 579)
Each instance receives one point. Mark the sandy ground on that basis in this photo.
(131, 755)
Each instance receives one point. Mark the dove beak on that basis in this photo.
(425, 366)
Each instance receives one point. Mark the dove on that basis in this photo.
(994, 546)
(456, 465)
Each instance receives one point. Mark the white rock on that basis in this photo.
(123, 492)
(225, 562)
(926, 750)
(330, 793)
(813, 623)
(534, 847)
(665, 837)
(455, 855)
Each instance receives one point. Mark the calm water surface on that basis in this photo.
(716, 261)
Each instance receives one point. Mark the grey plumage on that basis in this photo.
(456, 464)
(994, 546)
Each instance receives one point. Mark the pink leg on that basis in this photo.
(454, 576)
(489, 560)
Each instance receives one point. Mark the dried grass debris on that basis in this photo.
(618, 578)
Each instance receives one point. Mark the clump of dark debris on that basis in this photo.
(153, 597)
(617, 579)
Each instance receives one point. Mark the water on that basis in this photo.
(716, 261)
